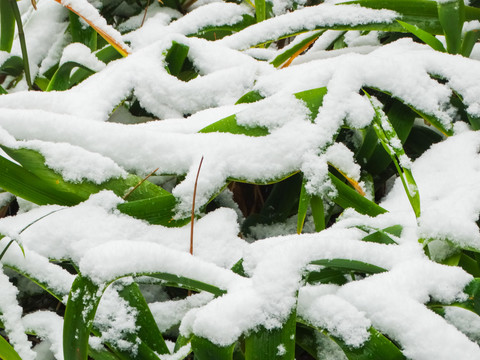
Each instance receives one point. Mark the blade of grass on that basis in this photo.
(7, 352)
(303, 203)
(81, 34)
(146, 328)
(393, 145)
(291, 52)
(451, 15)
(376, 347)
(350, 265)
(260, 10)
(204, 349)
(23, 43)
(7, 26)
(426, 37)
(120, 46)
(278, 343)
(347, 197)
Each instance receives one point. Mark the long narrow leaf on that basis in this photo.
(7, 26)
(206, 350)
(451, 15)
(426, 37)
(278, 344)
(392, 144)
(7, 352)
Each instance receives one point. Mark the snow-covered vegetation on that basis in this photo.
(287, 179)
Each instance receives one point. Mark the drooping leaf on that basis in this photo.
(426, 37)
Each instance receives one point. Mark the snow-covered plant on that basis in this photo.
(337, 206)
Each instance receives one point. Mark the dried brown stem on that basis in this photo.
(193, 206)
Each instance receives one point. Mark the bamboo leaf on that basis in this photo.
(468, 42)
(278, 343)
(347, 197)
(175, 58)
(349, 265)
(376, 347)
(303, 203)
(392, 144)
(451, 15)
(147, 329)
(23, 44)
(204, 349)
(292, 52)
(426, 37)
(7, 26)
(318, 212)
(7, 352)
(81, 34)
(260, 10)
(87, 12)
(85, 295)
(230, 125)
(61, 79)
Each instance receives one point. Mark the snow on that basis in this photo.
(82, 55)
(309, 18)
(81, 140)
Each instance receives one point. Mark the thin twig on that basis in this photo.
(145, 13)
(193, 206)
(139, 183)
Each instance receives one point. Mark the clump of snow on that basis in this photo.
(334, 314)
(74, 163)
(11, 314)
(464, 320)
(81, 54)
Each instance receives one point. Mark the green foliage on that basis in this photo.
(380, 149)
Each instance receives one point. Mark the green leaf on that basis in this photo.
(451, 15)
(82, 34)
(7, 352)
(216, 32)
(291, 51)
(23, 44)
(350, 265)
(7, 26)
(382, 236)
(376, 347)
(204, 349)
(376, 159)
(392, 144)
(156, 210)
(426, 37)
(468, 42)
(12, 66)
(230, 125)
(260, 10)
(107, 54)
(78, 320)
(278, 343)
(175, 58)
(303, 203)
(347, 197)
(250, 97)
(20, 182)
(61, 79)
(318, 212)
(83, 302)
(326, 276)
(313, 99)
(146, 328)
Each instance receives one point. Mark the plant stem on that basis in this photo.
(23, 44)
